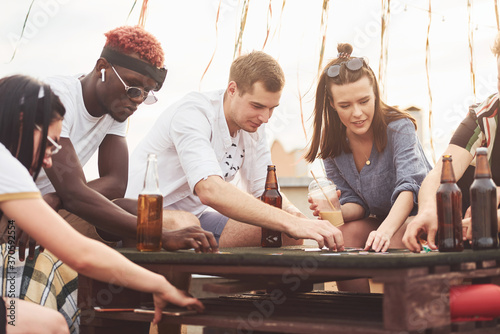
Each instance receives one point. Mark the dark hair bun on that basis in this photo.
(344, 48)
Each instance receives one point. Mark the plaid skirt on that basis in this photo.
(45, 280)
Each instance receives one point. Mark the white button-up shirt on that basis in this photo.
(190, 139)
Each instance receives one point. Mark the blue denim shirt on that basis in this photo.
(402, 166)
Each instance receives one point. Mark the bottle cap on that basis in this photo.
(482, 150)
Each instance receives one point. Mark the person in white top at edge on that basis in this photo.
(204, 140)
(30, 126)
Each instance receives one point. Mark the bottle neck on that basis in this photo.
(271, 181)
(151, 182)
(482, 167)
(447, 174)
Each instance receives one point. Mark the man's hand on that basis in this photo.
(320, 230)
(421, 224)
(23, 239)
(190, 237)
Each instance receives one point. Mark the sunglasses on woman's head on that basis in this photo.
(135, 92)
(353, 64)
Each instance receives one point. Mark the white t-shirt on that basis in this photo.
(15, 180)
(86, 132)
(192, 142)
(15, 184)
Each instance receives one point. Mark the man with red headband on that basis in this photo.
(127, 74)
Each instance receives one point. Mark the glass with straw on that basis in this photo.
(323, 193)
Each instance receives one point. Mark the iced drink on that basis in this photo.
(334, 217)
(323, 193)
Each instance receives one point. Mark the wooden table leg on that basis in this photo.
(181, 281)
(416, 303)
(93, 293)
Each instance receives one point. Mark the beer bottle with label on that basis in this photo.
(449, 210)
(150, 210)
(483, 194)
(271, 196)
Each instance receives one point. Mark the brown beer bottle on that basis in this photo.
(483, 194)
(150, 210)
(449, 210)
(271, 196)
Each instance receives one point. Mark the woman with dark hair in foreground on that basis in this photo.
(30, 126)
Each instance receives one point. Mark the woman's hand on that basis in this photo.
(313, 207)
(174, 296)
(378, 241)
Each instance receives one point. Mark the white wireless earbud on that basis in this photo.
(103, 75)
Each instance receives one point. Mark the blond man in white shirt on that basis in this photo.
(207, 140)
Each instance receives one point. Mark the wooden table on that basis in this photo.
(415, 298)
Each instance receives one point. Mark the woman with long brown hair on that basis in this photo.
(370, 151)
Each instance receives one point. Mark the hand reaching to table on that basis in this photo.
(175, 296)
(190, 237)
(322, 231)
(421, 224)
(378, 241)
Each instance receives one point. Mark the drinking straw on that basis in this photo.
(319, 185)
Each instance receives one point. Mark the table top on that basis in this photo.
(293, 255)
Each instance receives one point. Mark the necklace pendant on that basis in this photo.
(368, 162)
